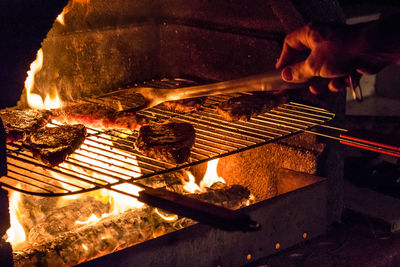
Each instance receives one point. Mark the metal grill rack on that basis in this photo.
(107, 159)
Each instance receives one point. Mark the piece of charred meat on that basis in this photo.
(185, 105)
(98, 116)
(52, 145)
(169, 142)
(19, 123)
(247, 106)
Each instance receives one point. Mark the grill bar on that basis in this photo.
(108, 158)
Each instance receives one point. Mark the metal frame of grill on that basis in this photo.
(108, 159)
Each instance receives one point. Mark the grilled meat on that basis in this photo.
(247, 106)
(19, 123)
(98, 116)
(185, 105)
(52, 145)
(169, 142)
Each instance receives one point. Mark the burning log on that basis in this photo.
(231, 197)
(119, 231)
(64, 218)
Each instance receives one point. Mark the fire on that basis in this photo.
(107, 164)
(211, 176)
(67, 9)
(92, 219)
(168, 218)
(16, 233)
(52, 100)
(191, 185)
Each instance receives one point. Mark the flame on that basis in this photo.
(191, 186)
(168, 218)
(16, 233)
(211, 176)
(61, 17)
(92, 219)
(34, 100)
(52, 100)
(106, 164)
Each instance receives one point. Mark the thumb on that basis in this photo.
(297, 73)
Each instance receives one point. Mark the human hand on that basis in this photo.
(335, 52)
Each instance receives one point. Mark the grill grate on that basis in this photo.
(107, 159)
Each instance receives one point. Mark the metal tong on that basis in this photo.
(268, 81)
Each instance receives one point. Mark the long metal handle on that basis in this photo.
(200, 211)
(368, 140)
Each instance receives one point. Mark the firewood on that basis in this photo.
(64, 218)
(116, 232)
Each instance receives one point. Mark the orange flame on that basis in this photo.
(100, 158)
(60, 18)
(92, 219)
(34, 100)
(168, 218)
(211, 176)
(16, 233)
(191, 186)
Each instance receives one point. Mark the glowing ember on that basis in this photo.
(92, 219)
(16, 233)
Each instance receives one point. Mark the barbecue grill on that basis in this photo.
(141, 46)
(215, 138)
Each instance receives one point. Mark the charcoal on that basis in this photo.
(117, 232)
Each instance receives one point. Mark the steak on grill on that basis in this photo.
(185, 105)
(19, 123)
(52, 145)
(169, 142)
(98, 116)
(247, 106)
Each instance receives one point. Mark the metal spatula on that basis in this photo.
(269, 81)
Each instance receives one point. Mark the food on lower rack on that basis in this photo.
(185, 105)
(169, 142)
(52, 145)
(19, 123)
(247, 106)
(98, 116)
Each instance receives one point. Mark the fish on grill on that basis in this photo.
(19, 123)
(52, 145)
(169, 142)
(98, 116)
(185, 105)
(247, 106)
